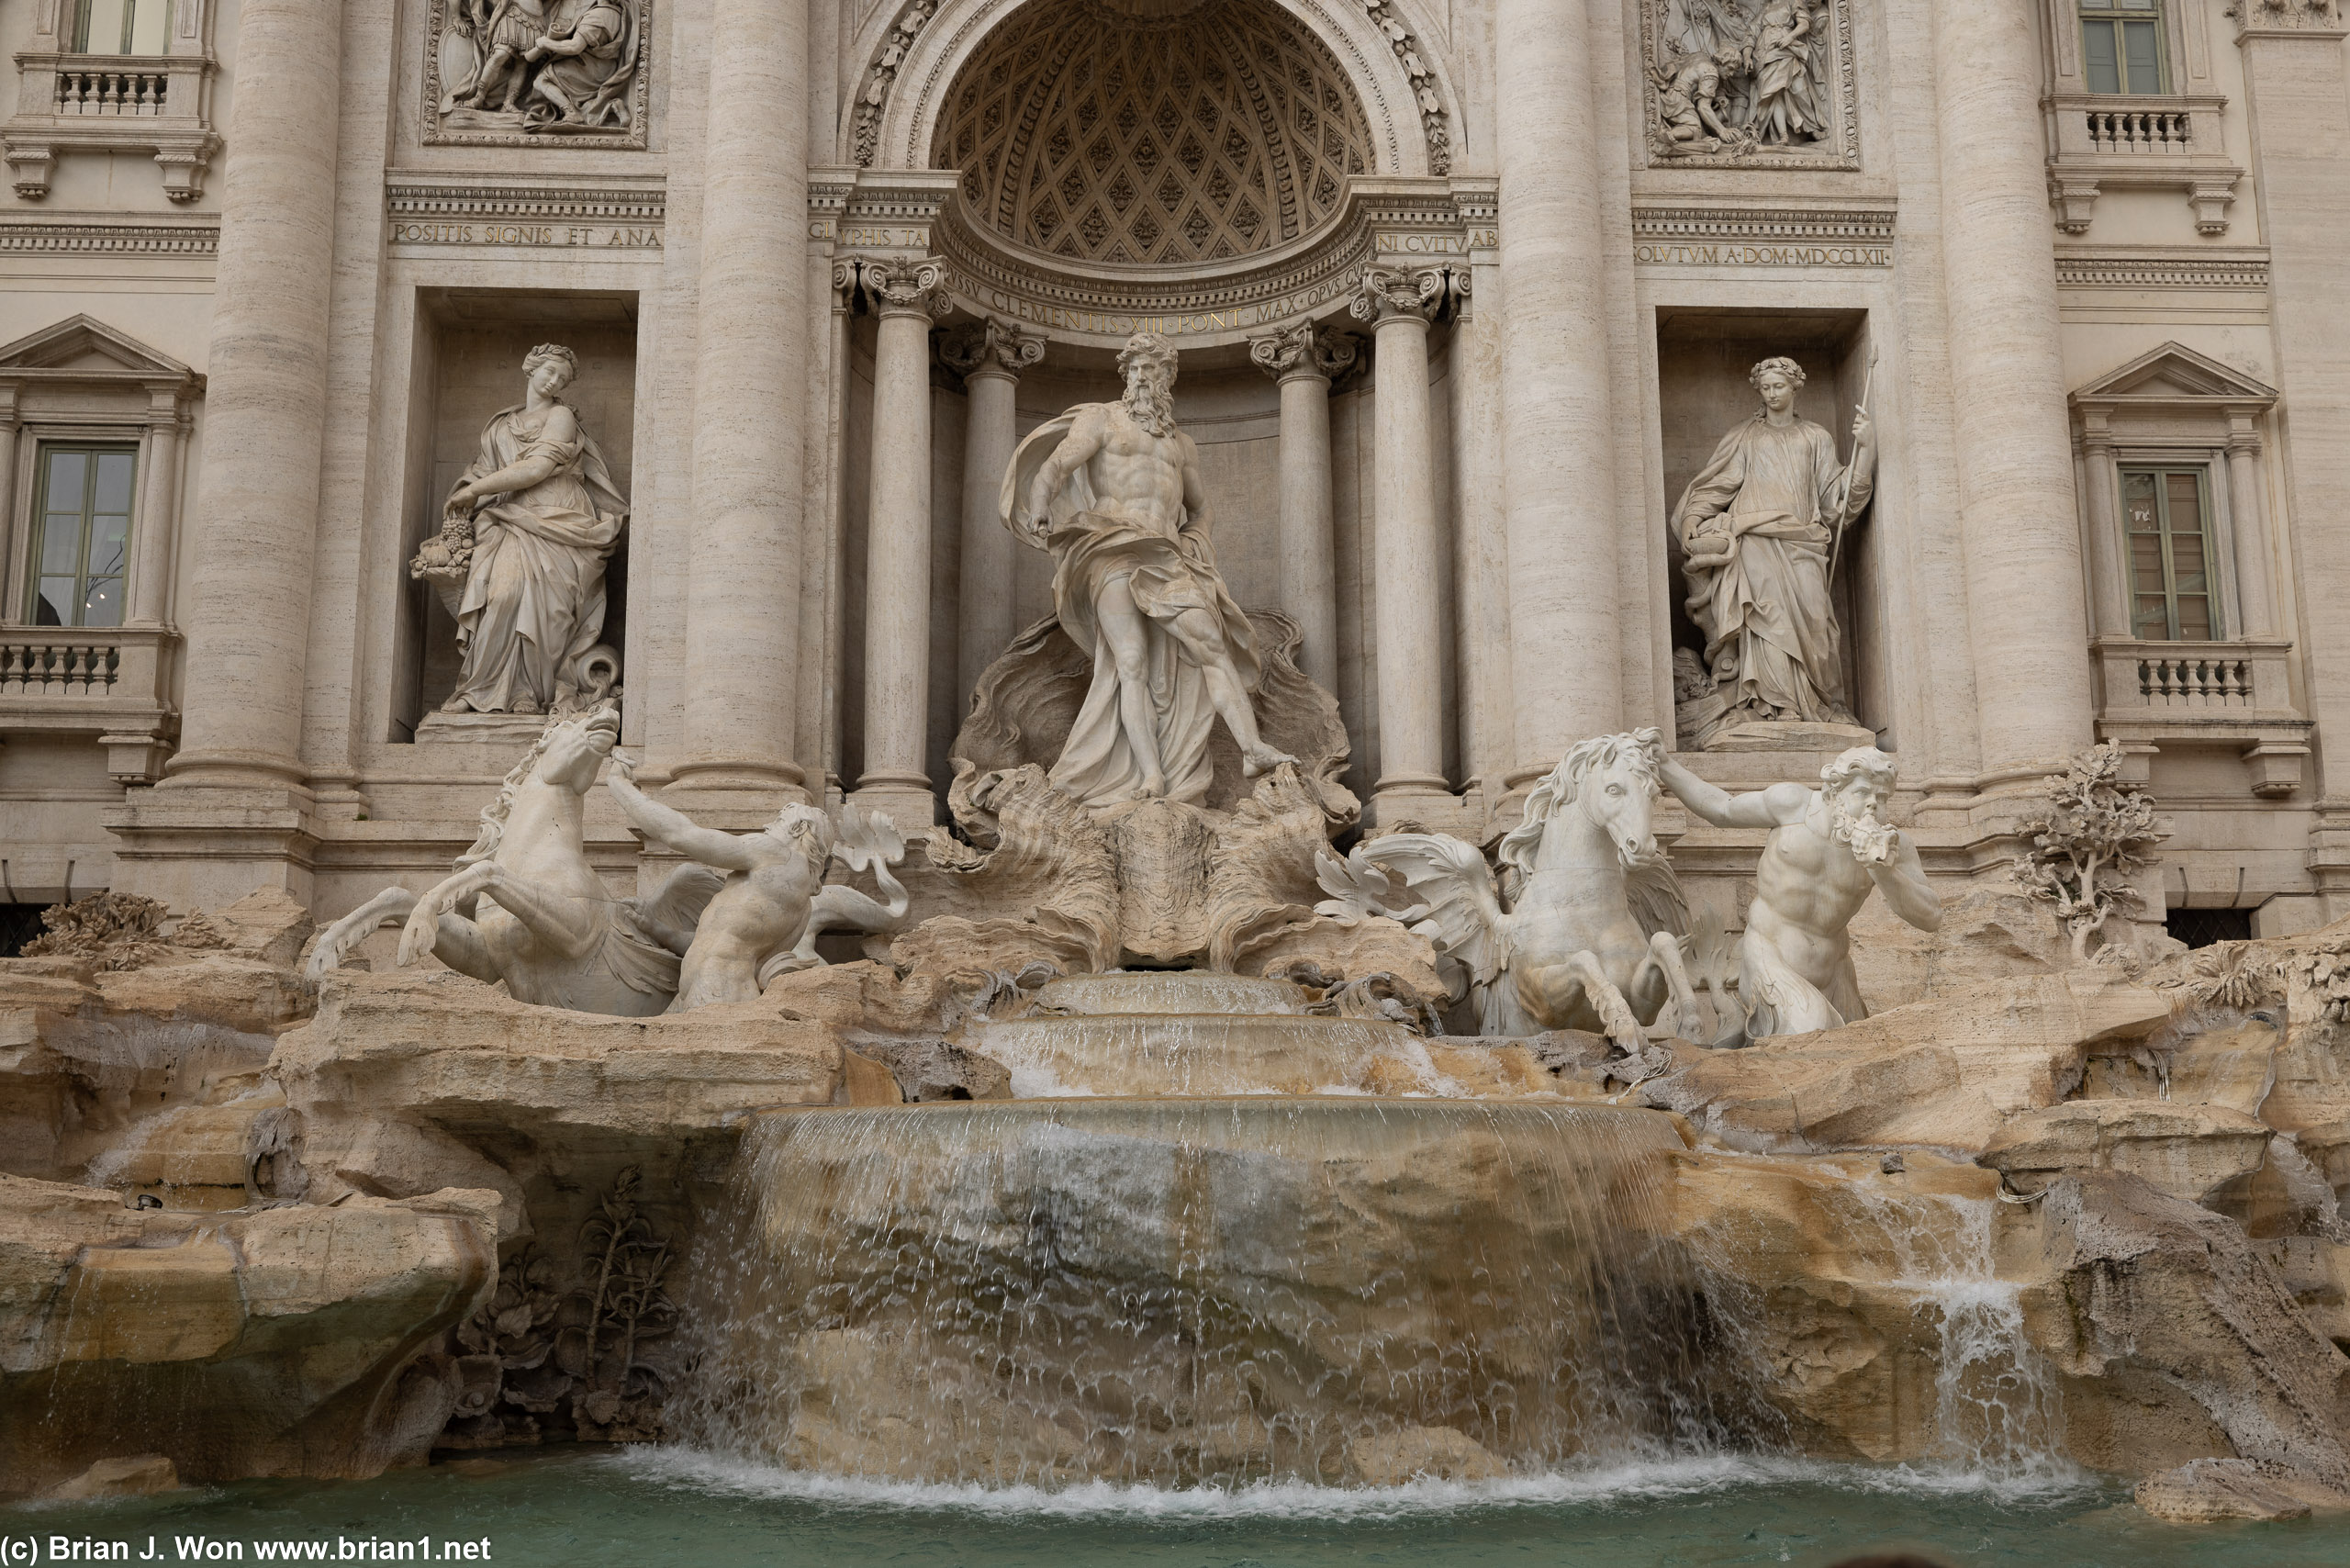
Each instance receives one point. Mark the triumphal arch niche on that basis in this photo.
(1269, 186)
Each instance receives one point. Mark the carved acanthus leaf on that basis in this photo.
(1302, 346)
(993, 343)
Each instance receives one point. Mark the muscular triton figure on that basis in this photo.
(1827, 848)
(1113, 491)
(764, 918)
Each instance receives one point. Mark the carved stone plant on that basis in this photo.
(532, 1362)
(2098, 830)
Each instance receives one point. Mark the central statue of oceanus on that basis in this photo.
(1112, 492)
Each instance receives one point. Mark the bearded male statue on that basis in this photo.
(1112, 492)
(1829, 849)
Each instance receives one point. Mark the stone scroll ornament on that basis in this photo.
(1749, 82)
(512, 72)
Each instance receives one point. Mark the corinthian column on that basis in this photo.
(1411, 555)
(991, 354)
(2017, 516)
(1302, 359)
(248, 617)
(907, 298)
(1558, 458)
(750, 402)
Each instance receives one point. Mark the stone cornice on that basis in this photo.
(2159, 270)
(1869, 224)
(415, 197)
(95, 234)
(1399, 222)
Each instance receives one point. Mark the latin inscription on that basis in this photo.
(555, 236)
(1701, 253)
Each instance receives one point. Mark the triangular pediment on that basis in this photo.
(85, 343)
(2174, 372)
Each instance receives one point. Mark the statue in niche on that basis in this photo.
(1112, 492)
(1759, 527)
(546, 67)
(1828, 849)
(1740, 77)
(519, 558)
(764, 918)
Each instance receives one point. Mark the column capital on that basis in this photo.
(991, 347)
(906, 287)
(2320, 20)
(1302, 348)
(1387, 295)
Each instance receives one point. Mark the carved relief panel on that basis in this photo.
(1750, 84)
(510, 72)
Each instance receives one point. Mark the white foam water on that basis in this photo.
(1645, 1480)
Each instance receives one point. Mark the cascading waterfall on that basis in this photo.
(1199, 1291)
(1996, 1412)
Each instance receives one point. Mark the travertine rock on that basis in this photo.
(1942, 1073)
(2175, 1337)
(140, 1475)
(1337, 951)
(1415, 1454)
(86, 1058)
(313, 1326)
(404, 1080)
(2189, 1151)
(1988, 932)
(1836, 1272)
(2205, 1491)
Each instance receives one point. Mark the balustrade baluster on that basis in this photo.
(12, 671)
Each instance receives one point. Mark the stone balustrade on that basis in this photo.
(109, 682)
(102, 86)
(2162, 142)
(2233, 694)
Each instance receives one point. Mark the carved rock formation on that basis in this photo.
(316, 1326)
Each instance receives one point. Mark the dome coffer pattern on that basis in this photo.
(1098, 136)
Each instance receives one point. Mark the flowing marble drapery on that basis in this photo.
(1167, 573)
(534, 598)
(1773, 498)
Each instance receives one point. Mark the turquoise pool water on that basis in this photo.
(677, 1509)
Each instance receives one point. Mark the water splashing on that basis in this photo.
(1211, 1293)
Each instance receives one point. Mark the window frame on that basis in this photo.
(83, 43)
(37, 533)
(2215, 582)
(2110, 13)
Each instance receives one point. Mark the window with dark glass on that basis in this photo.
(2170, 555)
(2121, 45)
(123, 26)
(83, 503)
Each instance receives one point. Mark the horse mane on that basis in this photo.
(494, 815)
(1559, 787)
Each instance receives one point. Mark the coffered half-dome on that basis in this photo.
(1152, 131)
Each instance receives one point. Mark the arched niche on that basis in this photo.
(914, 50)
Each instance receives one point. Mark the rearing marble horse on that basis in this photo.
(524, 906)
(1591, 938)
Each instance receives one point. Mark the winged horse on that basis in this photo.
(1591, 936)
(524, 906)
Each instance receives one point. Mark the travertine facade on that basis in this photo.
(1466, 299)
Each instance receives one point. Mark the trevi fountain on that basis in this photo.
(1048, 780)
